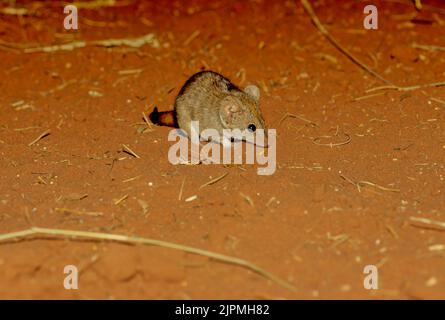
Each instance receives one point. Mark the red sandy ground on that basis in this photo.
(308, 224)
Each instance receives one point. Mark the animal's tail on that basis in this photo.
(164, 118)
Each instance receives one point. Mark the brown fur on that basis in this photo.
(215, 102)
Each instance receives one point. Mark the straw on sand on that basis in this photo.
(133, 239)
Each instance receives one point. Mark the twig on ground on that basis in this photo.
(363, 183)
(408, 88)
(427, 223)
(331, 145)
(368, 96)
(149, 39)
(427, 47)
(191, 38)
(78, 212)
(214, 180)
(438, 100)
(181, 189)
(14, 11)
(129, 151)
(307, 6)
(291, 115)
(154, 242)
(41, 136)
(118, 201)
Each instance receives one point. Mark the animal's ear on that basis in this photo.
(229, 111)
(253, 91)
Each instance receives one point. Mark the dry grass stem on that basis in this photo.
(214, 180)
(118, 201)
(427, 47)
(427, 223)
(363, 183)
(129, 151)
(154, 242)
(331, 145)
(307, 6)
(291, 115)
(41, 136)
(79, 212)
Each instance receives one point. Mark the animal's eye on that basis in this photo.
(251, 127)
